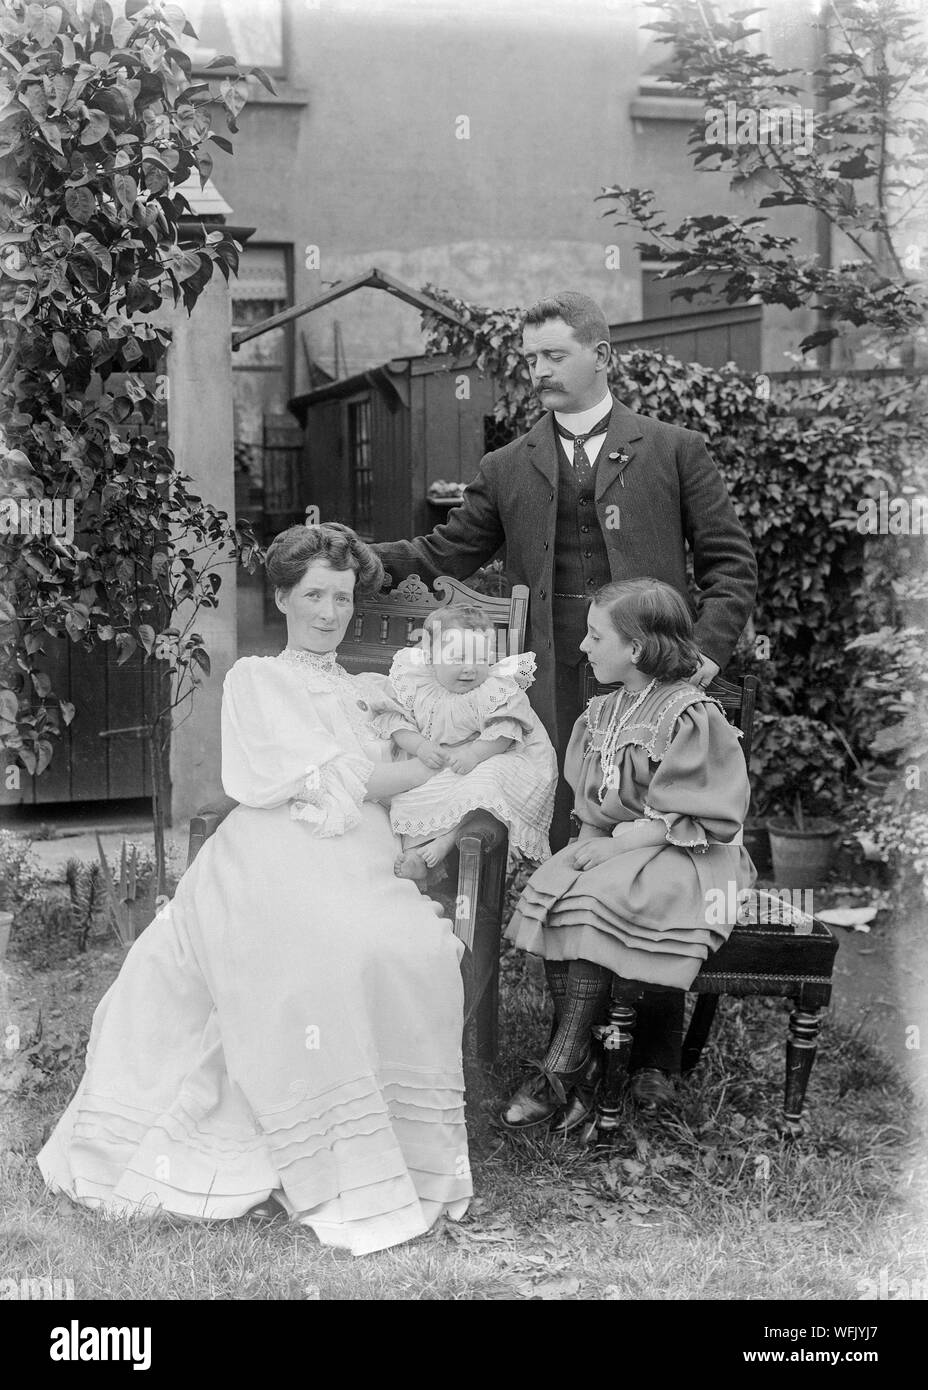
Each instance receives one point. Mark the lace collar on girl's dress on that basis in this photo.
(654, 723)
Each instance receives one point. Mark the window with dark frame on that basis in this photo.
(256, 34)
(362, 477)
(262, 368)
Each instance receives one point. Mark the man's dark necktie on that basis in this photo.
(582, 465)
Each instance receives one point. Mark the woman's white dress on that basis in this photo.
(290, 1023)
(516, 786)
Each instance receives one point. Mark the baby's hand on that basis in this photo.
(430, 754)
(462, 760)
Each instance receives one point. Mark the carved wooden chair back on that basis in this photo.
(386, 622)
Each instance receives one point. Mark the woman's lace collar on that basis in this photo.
(315, 661)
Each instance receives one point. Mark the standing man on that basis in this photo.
(592, 493)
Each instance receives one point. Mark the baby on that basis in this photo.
(456, 708)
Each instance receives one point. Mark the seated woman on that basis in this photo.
(289, 1026)
(661, 790)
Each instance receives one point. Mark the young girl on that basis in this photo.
(456, 709)
(661, 790)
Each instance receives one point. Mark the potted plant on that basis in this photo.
(798, 769)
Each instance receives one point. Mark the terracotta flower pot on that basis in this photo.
(802, 858)
(877, 779)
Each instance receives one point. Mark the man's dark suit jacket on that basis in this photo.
(668, 493)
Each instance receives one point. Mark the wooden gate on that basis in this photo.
(86, 766)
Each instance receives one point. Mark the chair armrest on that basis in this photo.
(470, 850)
(490, 832)
(205, 823)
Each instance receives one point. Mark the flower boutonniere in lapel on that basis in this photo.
(621, 460)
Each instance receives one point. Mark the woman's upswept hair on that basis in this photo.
(653, 613)
(292, 552)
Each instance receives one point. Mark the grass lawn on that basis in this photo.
(704, 1203)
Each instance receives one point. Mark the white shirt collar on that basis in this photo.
(583, 420)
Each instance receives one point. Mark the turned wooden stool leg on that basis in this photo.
(801, 1046)
(616, 1037)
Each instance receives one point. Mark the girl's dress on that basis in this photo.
(290, 1023)
(516, 786)
(646, 913)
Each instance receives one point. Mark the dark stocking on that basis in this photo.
(556, 976)
(584, 1005)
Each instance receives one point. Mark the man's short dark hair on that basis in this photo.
(577, 310)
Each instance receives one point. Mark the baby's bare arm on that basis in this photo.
(485, 748)
(389, 779)
(420, 747)
(407, 739)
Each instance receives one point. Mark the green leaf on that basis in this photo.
(62, 348)
(147, 637)
(126, 189)
(263, 78)
(36, 562)
(122, 31)
(80, 203)
(43, 23)
(52, 135)
(126, 645)
(201, 658)
(97, 125)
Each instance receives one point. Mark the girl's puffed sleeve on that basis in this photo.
(277, 747)
(700, 789)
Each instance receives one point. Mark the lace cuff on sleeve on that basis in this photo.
(391, 722)
(330, 796)
(503, 727)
